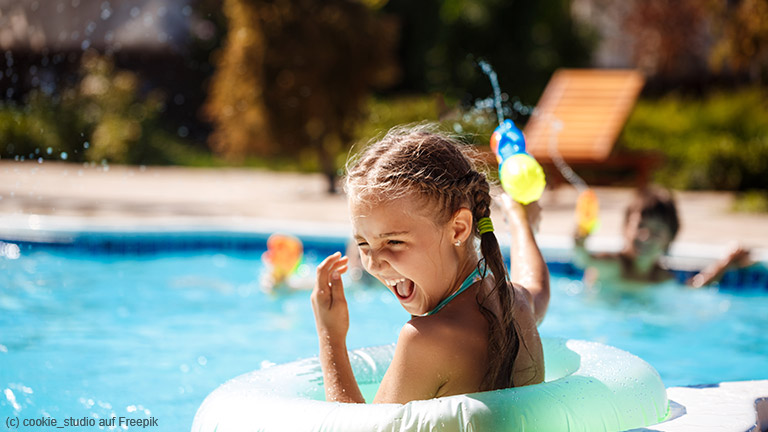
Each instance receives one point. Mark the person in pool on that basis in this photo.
(421, 217)
(650, 225)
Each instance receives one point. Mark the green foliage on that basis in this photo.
(720, 142)
(384, 113)
(441, 41)
(742, 45)
(752, 201)
(101, 118)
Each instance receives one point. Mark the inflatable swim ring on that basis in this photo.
(588, 387)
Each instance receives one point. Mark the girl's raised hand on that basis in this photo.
(515, 213)
(328, 301)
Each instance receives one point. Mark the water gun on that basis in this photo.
(587, 212)
(520, 175)
(283, 256)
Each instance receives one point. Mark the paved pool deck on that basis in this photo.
(55, 195)
(161, 197)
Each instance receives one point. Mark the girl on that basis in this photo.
(650, 225)
(420, 214)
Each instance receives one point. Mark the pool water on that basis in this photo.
(150, 335)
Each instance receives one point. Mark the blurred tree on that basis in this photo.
(293, 77)
(670, 37)
(691, 43)
(442, 40)
(118, 118)
(102, 117)
(743, 43)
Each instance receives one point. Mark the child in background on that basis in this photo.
(420, 214)
(650, 225)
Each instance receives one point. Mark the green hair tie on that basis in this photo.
(484, 225)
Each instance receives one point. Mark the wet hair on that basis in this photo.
(419, 161)
(655, 202)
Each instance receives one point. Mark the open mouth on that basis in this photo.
(402, 287)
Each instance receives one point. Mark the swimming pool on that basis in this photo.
(145, 325)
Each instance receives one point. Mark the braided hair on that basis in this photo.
(439, 169)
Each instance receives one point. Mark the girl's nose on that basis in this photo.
(375, 261)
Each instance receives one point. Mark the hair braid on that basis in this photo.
(503, 344)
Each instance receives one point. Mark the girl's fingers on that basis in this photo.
(329, 286)
(324, 268)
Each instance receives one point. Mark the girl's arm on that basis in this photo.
(528, 267)
(332, 320)
(738, 256)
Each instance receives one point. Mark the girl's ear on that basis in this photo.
(462, 225)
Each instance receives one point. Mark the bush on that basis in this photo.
(101, 118)
(720, 142)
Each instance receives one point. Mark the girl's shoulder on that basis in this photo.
(447, 329)
(454, 349)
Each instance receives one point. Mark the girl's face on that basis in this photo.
(408, 252)
(649, 236)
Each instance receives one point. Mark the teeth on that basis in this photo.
(393, 282)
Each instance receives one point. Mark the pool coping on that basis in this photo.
(37, 228)
(727, 406)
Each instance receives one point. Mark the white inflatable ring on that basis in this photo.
(588, 387)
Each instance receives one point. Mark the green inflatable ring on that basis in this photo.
(588, 387)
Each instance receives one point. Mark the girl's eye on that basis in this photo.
(394, 242)
(362, 244)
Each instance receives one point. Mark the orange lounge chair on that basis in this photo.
(591, 106)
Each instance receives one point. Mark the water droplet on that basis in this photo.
(12, 399)
(85, 45)
(86, 144)
(64, 155)
(183, 131)
(202, 361)
(135, 11)
(40, 160)
(105, 14)
(49, 150)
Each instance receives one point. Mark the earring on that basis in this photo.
(458, 243)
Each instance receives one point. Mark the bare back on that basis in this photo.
(447, 353)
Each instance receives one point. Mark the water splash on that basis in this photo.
(488, 70)
(555, 125)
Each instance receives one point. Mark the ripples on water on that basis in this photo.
(82, 335)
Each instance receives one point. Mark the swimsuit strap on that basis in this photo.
(468, 282)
